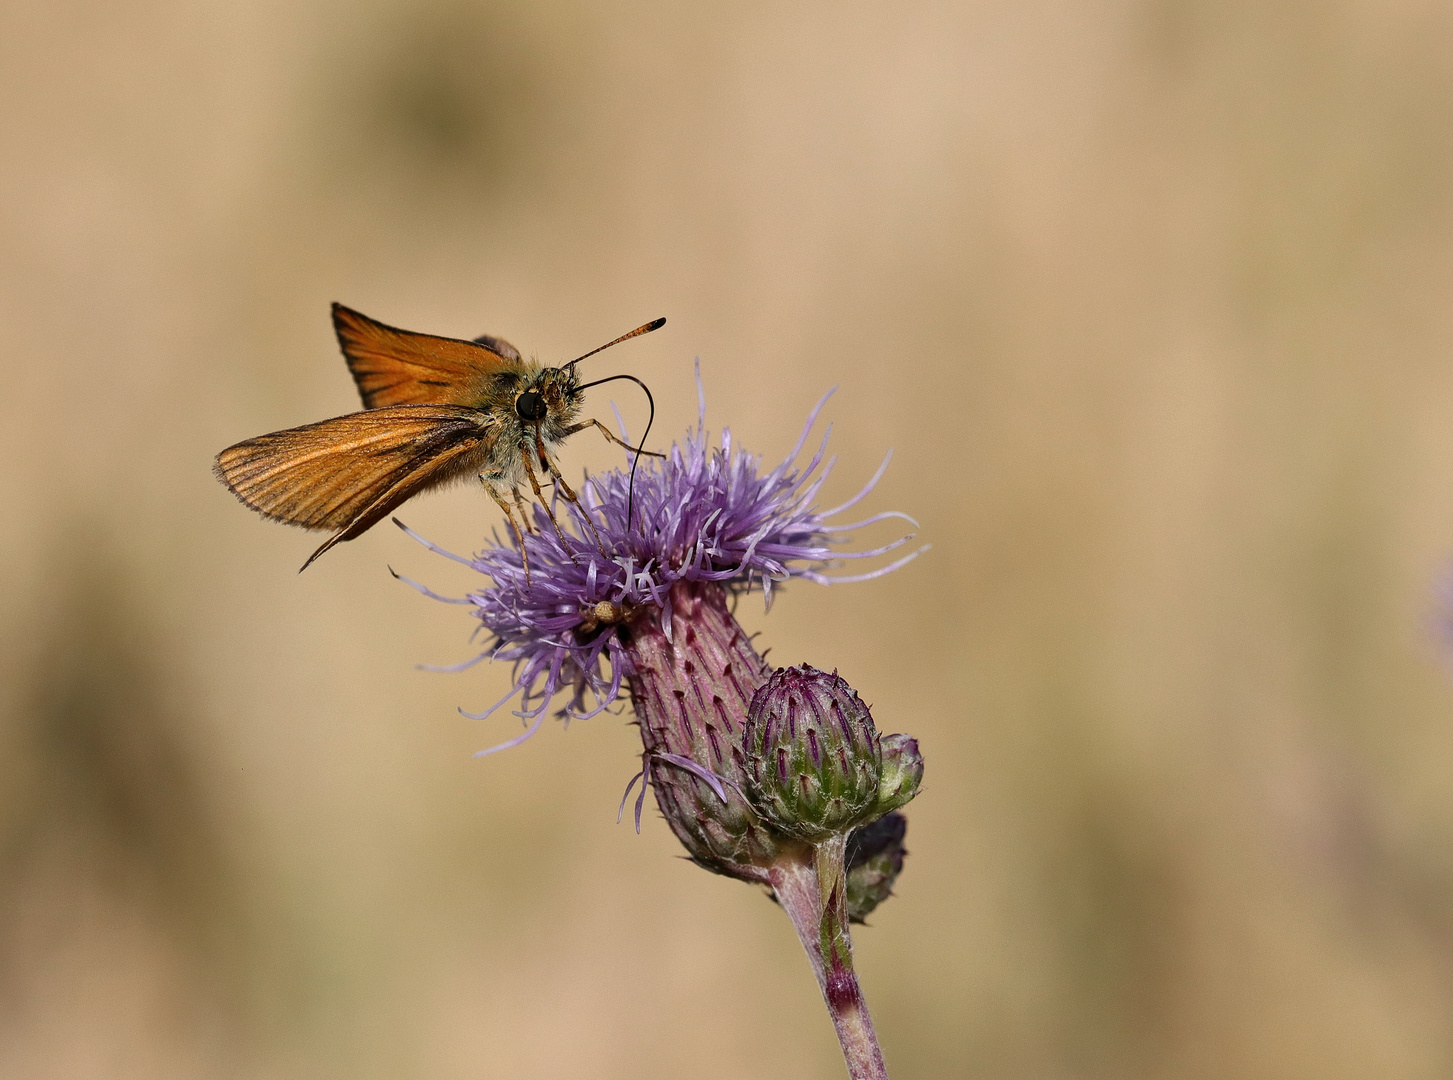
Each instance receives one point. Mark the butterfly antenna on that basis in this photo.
(637, 450)
(637, 332)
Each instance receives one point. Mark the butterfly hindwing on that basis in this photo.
(501, 346)
(399, 367)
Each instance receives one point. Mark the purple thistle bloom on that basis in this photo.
(704, 514)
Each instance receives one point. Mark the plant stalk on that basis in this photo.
(822, 927)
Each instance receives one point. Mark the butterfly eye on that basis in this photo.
(530, 406)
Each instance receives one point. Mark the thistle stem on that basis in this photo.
(691, 693)
(822, 925)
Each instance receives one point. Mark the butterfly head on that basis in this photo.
(550, 400)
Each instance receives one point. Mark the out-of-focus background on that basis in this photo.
(1154, 301)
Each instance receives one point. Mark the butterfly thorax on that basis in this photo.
(529, 408)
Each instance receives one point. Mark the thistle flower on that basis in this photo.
(902, 772)
(813, 755)
(874, 861)
(649, 611)
(706, 515)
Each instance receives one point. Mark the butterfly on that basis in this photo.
(436, 410)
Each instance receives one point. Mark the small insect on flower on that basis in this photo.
(436, 409)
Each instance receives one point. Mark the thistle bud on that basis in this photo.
(901, 773)
(874, 860)
(813, 757)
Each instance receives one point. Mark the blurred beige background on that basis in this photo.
(1153, 300)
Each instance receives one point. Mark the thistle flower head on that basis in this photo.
(813, 754)
(902, 772)
(706, 513)
(874, 860)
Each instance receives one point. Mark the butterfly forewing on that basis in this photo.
(399, 367)
(348, 472)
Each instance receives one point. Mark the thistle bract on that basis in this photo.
(812, 754)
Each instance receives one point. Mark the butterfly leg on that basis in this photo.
(610, 437)
(566, 490)
(510, 517)
(549, 512)
(575, 501)
(524, 510)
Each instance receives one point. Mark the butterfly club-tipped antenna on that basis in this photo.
(654, 324)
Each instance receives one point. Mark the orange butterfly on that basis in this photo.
(438, 409)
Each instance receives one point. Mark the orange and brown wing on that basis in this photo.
(399, 367)
(349, 472)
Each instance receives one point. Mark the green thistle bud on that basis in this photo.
(874, 860)
(813, 758)
(901, 773)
